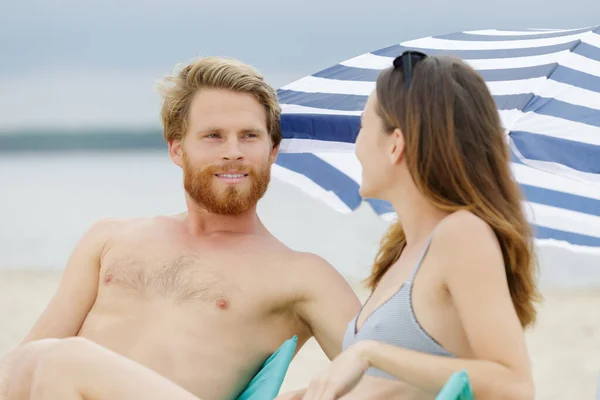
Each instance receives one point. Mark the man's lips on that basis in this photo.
(232, 176)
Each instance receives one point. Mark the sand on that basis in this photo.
(564, 345)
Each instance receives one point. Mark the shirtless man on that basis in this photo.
(204, 297)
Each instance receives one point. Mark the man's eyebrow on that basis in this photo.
(253, 130)
(209, 129)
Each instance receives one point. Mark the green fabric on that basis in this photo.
(456, 388)
(267, 383)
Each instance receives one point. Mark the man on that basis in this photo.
(204, 297)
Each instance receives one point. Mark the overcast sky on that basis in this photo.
(74, 62)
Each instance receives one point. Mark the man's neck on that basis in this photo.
(201, 222)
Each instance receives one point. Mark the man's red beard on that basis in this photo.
(200, 185)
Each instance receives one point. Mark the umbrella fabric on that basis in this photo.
(546, 84)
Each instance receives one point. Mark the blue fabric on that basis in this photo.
(267, 382)
(557, 93)
(457, 387)
(470, 54)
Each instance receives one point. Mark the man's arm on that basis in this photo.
(330, 303)
(5, 365)
(327, 308)
(73, 299)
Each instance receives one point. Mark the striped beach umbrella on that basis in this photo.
(546, 84)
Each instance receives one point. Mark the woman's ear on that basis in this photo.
(398, 146)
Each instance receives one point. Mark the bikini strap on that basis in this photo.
(416, 269)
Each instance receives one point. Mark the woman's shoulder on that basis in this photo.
(464, 227)
(463, 241)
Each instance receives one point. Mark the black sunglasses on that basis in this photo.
(407, 62)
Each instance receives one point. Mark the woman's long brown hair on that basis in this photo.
(458, 157)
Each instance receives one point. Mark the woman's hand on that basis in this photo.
(342, 375)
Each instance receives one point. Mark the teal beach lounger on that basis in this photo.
(457, 387)
(267, 382)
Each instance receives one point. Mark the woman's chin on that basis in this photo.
(362, 192)
(365, 193)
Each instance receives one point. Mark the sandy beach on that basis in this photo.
(564, 345)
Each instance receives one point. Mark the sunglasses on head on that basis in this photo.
(407, 62)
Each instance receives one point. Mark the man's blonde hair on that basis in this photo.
(179, 88)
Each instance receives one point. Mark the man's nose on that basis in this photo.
(233, 151)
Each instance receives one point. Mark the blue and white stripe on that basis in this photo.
(546, 84)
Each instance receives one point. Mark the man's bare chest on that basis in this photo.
(229, 280)
(178, 278)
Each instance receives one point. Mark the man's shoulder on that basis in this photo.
(311, 267)
(104, 233)
(105, 229)
(109, 226)
(308, 260)
(117, 224)
(318, 282)
(313, 259)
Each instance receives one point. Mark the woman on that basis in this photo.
(453, 285)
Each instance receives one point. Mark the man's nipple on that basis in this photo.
(222, 304)
(108, 278)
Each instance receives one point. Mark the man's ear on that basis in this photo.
(176, 151)
(398, 146)
(274, 154)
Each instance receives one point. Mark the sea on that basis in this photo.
(53, 186)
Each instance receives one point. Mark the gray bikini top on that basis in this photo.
(394, 323)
